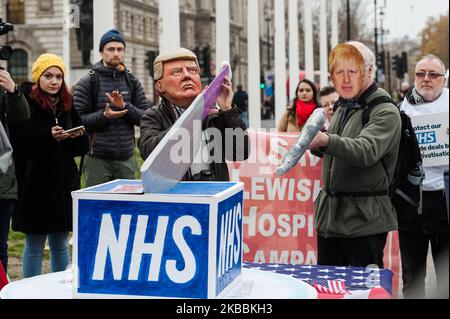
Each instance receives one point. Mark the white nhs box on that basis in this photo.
(183, 243)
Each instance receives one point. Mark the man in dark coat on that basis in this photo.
(119, 104)
(177, 77)
(240, 99)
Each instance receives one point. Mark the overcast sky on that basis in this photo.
(409, 16)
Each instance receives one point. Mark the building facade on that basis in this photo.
(38, 28)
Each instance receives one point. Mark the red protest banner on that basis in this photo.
(278, 210)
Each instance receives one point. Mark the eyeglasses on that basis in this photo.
(431, 75)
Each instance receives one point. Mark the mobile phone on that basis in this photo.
(74, 129)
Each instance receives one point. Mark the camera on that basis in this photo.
(5, 50)
(5, 27)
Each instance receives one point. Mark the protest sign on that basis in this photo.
(279, 210)
(432, 135)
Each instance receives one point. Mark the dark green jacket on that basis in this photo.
(13, 108)
(351, 163)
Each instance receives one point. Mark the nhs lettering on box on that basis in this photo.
(116, 247)
(229, 241)
(142, 249)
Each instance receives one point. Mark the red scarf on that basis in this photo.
(304, 110)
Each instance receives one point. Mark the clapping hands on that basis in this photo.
(116, 99)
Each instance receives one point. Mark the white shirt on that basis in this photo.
(434, 175)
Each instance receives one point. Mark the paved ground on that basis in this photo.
(270, 123)
(430, 280)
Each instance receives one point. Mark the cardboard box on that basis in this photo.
(184, 243)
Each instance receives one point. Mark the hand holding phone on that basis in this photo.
(74, 129)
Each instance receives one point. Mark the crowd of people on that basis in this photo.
(353, 211)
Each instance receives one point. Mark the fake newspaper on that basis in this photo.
(159, 171)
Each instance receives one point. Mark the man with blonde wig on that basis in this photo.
(177, 76)
(353, 211)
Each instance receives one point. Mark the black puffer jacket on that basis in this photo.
(157, 121)
(110, 139)
(46, 170)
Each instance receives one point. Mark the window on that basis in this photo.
(46, 5)
(18, 66)
(16, 11)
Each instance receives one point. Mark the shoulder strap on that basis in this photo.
(373, 103)
(95, 86)
(131, 83)
(365, 119)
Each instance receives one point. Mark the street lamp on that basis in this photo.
(379, 31)
(268, 19)
(348, 21)
(376, 35)
(382, 31)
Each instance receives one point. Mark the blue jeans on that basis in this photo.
(244, 118)
(6, 210)
(34, 249)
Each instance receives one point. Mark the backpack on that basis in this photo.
(95, 86)
(406, 186)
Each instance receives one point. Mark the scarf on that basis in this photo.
(347, 106)
(414, 98)
(304, 110)
(353, 104)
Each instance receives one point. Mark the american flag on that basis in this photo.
(337, 282)
(331, 287)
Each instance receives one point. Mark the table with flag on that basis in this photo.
(334, 282)
(330, 282)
